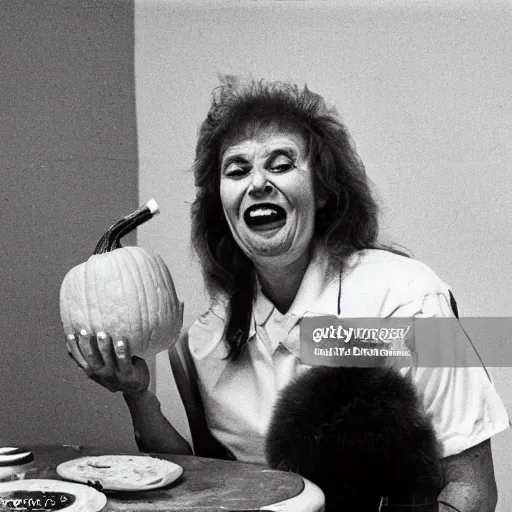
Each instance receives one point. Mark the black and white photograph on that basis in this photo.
(256, 255)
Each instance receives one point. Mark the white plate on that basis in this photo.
(27, 492)
(121, 472)
(11, 456)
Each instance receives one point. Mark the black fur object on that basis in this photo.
(358, 433)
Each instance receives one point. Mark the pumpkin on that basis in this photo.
(123, 291)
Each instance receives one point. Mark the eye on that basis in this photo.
(282, 164)
(235, 171)
(282, 167)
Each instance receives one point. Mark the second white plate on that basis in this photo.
(121, 472)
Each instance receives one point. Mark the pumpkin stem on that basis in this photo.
(111, 239)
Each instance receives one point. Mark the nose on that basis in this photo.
(260, 186)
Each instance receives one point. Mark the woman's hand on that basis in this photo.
(109, 362)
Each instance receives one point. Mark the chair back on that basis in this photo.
(185, 376)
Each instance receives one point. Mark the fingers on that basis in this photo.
(124, 357)
(74, 351)
(106, 350)
(108, 361)
(73, 359)
(95, 355)
(89, 348)
(100, 353)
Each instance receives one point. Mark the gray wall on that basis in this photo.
(68, 166)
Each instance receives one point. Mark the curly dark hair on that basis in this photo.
(346, 223)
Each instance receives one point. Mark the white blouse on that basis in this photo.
(238, 397)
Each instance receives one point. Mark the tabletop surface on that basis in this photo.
(207, 485)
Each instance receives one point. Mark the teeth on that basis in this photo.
(262, 212)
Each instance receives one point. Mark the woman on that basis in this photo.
(284, 224)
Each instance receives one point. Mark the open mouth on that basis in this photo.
(265, 216)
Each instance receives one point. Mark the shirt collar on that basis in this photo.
(316, 295)
(262, 308)
(312, 296)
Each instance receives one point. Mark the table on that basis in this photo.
(207, 485)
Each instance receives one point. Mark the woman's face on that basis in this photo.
(267, 193)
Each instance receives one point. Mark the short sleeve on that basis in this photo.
(463, 404)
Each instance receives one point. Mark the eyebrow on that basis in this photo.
(286, 151)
